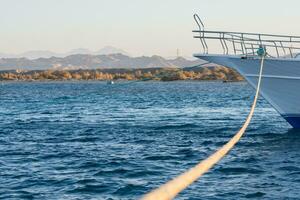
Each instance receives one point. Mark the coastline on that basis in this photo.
(149, 74)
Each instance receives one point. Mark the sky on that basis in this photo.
(140, 27)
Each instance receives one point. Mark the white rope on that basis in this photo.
(171, 189)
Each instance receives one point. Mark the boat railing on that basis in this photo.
(246, 44)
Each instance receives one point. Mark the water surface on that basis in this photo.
(90, 140)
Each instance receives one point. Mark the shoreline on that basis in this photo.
(149, 74)
(117, 81)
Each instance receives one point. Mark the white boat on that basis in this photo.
(281, 75)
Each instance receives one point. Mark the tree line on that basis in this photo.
(158, 74)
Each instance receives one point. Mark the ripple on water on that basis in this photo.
(89, 140)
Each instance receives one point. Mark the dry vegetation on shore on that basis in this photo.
(159, 74)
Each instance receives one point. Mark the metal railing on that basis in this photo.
(238, 43)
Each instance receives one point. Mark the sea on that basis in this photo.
(92, 140)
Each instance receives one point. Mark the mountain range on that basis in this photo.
(88, 61)
(48, 54)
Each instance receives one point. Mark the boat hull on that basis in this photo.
(281, 81)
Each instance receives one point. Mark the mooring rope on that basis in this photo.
(172, 188)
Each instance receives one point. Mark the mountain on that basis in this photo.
(77, 51)
(38, 54)
(31, 55)
(110, 50)
(48, 54)
(87, 61)
(5, 55)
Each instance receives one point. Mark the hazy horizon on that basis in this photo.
(138, 27)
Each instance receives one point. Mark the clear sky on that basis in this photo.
(140, 27)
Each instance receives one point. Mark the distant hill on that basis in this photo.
(48, 54)
(88, 61)
(38, 54)
(76, 51)
(110, 50)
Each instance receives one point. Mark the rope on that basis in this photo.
(172, 188)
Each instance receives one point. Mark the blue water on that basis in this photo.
(89, 140)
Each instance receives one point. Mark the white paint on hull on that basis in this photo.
(281, 79)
